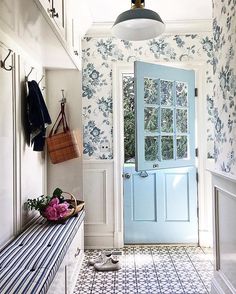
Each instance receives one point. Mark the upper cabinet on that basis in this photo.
(58, 14)
(56, 11)
(70, 19)
(50, 30)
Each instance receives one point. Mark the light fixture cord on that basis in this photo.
(138, 4)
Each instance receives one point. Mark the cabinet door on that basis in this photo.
(74, 258)
(58, 14)
(47, 4)
(76, 39)
(6, 151)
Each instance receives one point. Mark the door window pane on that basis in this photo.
(181, 120)
(167, 147)
(166, 120)
(167, 97)
(129, 117)
(151, 119)
(182, 147)
(151, 91)
(151, 148)
(181, 94)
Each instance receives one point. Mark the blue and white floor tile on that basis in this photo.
(150, 270)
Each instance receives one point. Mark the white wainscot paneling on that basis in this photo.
(224, 236)
(32, 163)
(98, 196)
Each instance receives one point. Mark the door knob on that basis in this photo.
(126, 176)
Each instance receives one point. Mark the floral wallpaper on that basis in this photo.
(223, 106)
(98, 56)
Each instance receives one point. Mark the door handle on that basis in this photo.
(143, 174)
(126, 176)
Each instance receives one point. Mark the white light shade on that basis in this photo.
(138, 24)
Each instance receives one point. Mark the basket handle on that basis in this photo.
(73, 198)
(61, 120)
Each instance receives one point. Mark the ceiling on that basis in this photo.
(169, 10)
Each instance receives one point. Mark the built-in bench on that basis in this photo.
(31, 261)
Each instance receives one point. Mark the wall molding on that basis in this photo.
(99, 226)
(223, 188)
(103, 29)
(98, 161)
(104, 173)
(223, 175)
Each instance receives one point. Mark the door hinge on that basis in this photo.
(197, 177)
(196, 92)
(196, 152)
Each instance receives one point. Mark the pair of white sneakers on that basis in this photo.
(106, 261)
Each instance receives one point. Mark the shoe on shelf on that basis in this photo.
(109, 264)
(102, 257)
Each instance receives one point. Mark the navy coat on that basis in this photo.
(38, 116)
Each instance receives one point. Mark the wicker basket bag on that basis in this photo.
(64, 145)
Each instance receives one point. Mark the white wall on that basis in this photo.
(67, 175)
(27, 179)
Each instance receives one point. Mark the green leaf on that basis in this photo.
(57, 192)
(38, 203)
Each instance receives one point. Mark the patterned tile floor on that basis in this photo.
(151, 270)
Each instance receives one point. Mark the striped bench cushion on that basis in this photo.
(29, 263)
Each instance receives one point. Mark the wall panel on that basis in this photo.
(98, 196)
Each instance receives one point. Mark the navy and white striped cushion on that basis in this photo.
(29, 264)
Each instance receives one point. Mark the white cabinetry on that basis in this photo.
(65, 279)
(56, 10)
(69, 20)
(49, 30)
(58, 14)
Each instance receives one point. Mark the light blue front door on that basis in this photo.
(160, 197)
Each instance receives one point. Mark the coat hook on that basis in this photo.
(3, 63)
(26, 78)
(41, 79)
(63, 100)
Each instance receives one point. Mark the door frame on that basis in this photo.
(119, 68)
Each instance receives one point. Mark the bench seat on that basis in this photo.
(30, 262)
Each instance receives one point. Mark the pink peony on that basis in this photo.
(51, 213)
(62, 209)
(56, 210)
(54, 202)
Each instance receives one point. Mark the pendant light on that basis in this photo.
(138, 23)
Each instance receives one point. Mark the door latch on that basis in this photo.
(143, 174)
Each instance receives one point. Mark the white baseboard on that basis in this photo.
(215, 288)
(99, 241)
(221, 285)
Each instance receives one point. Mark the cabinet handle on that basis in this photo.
(53, 12)
(77, 252)
(76, 53)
